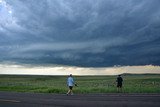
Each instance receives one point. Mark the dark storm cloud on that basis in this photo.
(81, 32)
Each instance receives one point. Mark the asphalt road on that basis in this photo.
(10, 99)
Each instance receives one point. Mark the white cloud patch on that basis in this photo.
(66, 70)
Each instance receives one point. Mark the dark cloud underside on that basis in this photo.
(90, 33)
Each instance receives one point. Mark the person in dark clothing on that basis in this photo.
(119, 83)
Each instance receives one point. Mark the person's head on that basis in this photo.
(119, 75)
(70, 75)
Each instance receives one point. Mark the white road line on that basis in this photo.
(13, 101)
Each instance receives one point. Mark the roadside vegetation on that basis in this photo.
(147, 83)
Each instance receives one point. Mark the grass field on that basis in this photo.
(86, 84)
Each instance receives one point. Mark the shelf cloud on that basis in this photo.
(84, 33)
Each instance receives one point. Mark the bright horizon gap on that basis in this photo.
(14, 69)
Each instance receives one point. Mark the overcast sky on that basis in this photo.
(84, 33)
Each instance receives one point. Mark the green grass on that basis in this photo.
(86, 84)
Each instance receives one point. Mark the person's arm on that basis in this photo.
(74, 82)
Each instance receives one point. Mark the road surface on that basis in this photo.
(12, 99)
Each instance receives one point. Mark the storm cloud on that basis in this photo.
(86, 33)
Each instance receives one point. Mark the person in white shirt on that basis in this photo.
(70, 84)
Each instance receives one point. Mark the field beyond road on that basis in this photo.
(149, 83)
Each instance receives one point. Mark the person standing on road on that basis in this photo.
(119, 83)
(70, 84)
